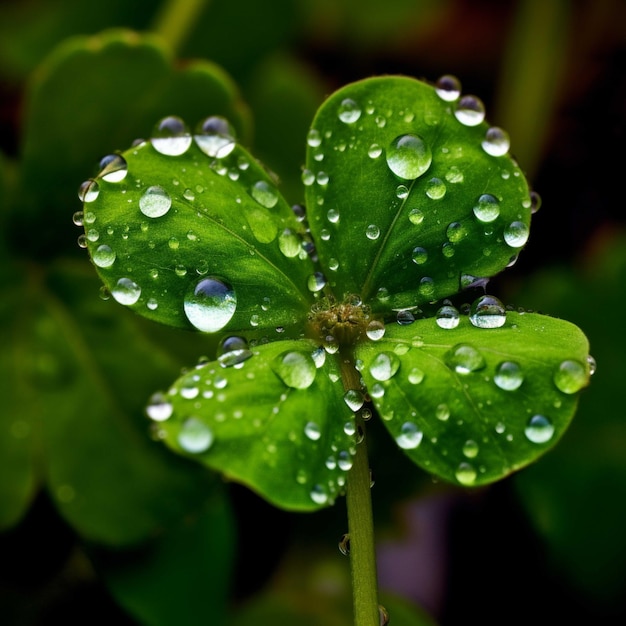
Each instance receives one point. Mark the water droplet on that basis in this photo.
(126, 291)
(232, 351)
(289, 243)
(159, 408)
(312, 431)
(516, 234)
(88, 191)
(215, 137)
(464, 359)
(195, 436)
(448, 317)
(349, 111)
(509, 376)
(210, 304)
(375, 330)
(442, 412)
(465, 474)
(113, 168)
(426, 287)
(435, 189)
(487, 208)
(456, 232)
(470, 111)
(416, 376)
(408, 156)
(570, 376)
(296, 369)
(316, 282)
(318, 494)
(487, 312)
(103, 256)
(496, 142)
(314, 138)
(416, 217)
(591, 362)
(155, 202)
(384, 366)
(264, 194)
(539, 429)
(535, 202)
(344, 545)
(171, 136)
(419, 255)
(410, 436)
(405, 317)
(354, 399)
(308, 177)
(448, 87)
(372, 232)
(374, 151)
(383, 616)
(470, 449)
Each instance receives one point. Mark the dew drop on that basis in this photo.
(487, 208)
(487, 312)
(308, 177)
(539, 429)
(372, 232)
(496, 142)
(289, 243)
(232, 351)
(384, 366)
(316, 282)
(448, 317)
(344, 545)
(408, 156)
(314, 138)
(435, 189)
(375, 330)
(155, 202)
(416, 217)
(410, 436)
(318, 494)
(470, 111)
(419, 255)
(210, 304)
(374, 151)
(215, 137)
(296, 369)
(88, 191)
(570, 376)
(456, 232)
(416, 376)
(516, 234)
(354, 399)
(195, 436)
(264, 194)
(426, 287)
(509, 376)
(104, 256)
(464, 359)
(171, 136)
(312, 431)
(448, 87)
(591, 362)
(126, 291)
(349, 111)
(113, 168)
(535, 202)
(405, 317)
(159, 409)
(470, 449)
(465, 474)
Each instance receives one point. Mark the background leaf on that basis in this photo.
(448, 213)
(461, 415)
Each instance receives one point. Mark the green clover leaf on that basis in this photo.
(316, 318)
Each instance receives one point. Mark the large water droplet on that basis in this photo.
(570, 376)
(104, 256)
(171, 136)
(264, 194)
(409, 156)
(470, 111)
(410, 436)
(496, 142)
(113, 168)
(195, 436)
(464, 359)
(516, 234)
(155, 202)
(384, 366)
(448, 87)
(509, 376)
(232, 351)
(126, 291)
(210, 304)
(487, 208)
(487, 312)
(296, 369)
(349, 111)
(215, 137)
(539, 429)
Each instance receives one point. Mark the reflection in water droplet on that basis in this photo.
(354, 399)
(570, 376)
(155, 202)
(465, 474)
(539, 429)
(375, 330)
(496, 142)
(426, 287)
(88, 191)
(487, 208)
(126, 291)
(410, 436)
(232, 351)
(210, 304)
(419, 255)
(113, 168)
(435, 189)
(448, 317)
(316, 282)
(384, 366)
(349, 111)
(416, 216)
(171, 136)
(487, 312)
(516, 234)
(408, 156)
(509, 376)
(264, 194)
(372, 232)
(470, 111)
(195, 436)
(104, 256)
(448, 87)
(296, 369)
(215, 137)
(464, 359)
(456, 232)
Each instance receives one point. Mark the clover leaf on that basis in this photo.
(321, 317)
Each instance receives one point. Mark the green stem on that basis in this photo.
(175, 19)
(361, 527)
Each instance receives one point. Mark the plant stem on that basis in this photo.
(361, 527)
(175, 19)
